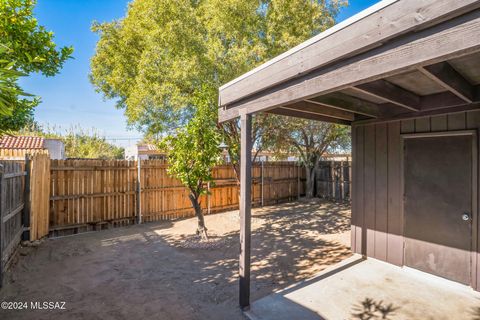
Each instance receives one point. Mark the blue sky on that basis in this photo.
(68, 99)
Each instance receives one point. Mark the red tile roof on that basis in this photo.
(21, 142)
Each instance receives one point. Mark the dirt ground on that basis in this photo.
(160, 271)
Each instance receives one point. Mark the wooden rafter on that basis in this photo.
(389, 92)
(317, 109)
(348, 103)
(308, 115)
(446, 76)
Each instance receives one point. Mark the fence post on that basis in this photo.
(26, 200)
(342, 181)
(261, 175)
(298, 181)
(2, 226)
(139, 193)
(332, 178)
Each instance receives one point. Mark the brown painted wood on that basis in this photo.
(440, 100)
(245, 208)
(407, 126)
(450, 79)
(422, 124)
(369, 186)
(395, 217)
(445, 41)
(358, 219)
(456, 121)
(369, 32)
(381, 190)
(318, 109)
(437, 193)
(473, 122)
(438, 123)
(307, 115)
(391, 93)
(348, 103)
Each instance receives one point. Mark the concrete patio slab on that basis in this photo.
(369, 289)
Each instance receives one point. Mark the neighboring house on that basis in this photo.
(16, 147)
(144, 151)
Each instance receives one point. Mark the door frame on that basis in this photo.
(473, 134)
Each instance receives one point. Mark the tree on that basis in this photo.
(310, 140)
(10, 117)
(155, 59)
(26, 47)
(192, 152)
(79, 143)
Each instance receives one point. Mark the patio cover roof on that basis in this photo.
(395, 59)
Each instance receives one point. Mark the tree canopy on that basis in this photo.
(309, 139)
(26, 47)
(156, 59)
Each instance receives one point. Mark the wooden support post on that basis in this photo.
(139, 192)
(245, 207)
(26, 200)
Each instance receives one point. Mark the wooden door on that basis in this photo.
(438, 205)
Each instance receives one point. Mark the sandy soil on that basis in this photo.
(156, 271)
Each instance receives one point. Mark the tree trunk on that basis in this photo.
(201, 229)
(310, 183)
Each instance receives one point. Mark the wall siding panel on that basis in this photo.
(438, 123)
(358, 220)
(456, 121)
(473, 122)
(395, 217)
(381, 191)
(369, 205)
(377, 198)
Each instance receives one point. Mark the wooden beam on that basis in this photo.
(446, 76)
(306, 115)
(448, 40)
(379, 24)
(440, 100)
(317, 109)
(389, 92)
(348, 103)
(422, 113)
(245, 207)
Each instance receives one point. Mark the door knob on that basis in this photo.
(465, 217)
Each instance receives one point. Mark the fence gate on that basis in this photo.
(12, 188)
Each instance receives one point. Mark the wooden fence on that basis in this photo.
(95, 194)
(38, 184)
(334, 180)
(12, 182)
(19, 154)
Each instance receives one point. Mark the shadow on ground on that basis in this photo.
(146, 272)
